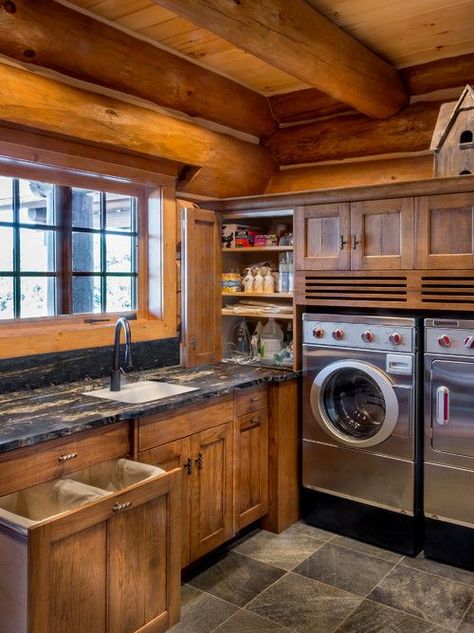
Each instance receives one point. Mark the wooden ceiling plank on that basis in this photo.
(41, 34)
(355, 135)
(297, 39)
(34, 102)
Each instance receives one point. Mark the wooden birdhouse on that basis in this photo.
(452, 140)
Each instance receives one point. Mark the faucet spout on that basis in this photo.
(115, 377)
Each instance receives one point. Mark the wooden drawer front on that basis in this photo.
(251, 399)
(29, 466)
(155, 430)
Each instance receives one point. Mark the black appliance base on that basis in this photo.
(383, 528)
(449, 543)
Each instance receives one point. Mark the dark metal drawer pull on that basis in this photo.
(188, 466)
(198, 461)
(68, 457)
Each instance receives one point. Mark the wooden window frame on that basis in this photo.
(156, 284)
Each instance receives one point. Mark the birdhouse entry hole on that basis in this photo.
(466, 137)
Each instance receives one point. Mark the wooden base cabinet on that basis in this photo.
(251, 467)
(207, 463)
(109, 566)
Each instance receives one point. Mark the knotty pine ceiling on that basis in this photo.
(405, 33)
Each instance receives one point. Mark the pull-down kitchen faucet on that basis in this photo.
(115, 377)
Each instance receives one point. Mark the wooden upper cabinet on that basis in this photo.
(322, 237)
(445, 231)
(382, 234)
(201, 292)
(212, 496)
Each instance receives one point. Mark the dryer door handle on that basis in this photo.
(442, 406)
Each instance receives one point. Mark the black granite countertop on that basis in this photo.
(30, 417)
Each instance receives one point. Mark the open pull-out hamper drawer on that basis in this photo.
(96, 552)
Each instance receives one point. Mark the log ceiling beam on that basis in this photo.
(228, 166)
(310, 103)
(295, 38)
(53, 36)
(355, 135)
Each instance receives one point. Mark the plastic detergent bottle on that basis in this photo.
(271, 340)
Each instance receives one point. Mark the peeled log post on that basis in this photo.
(356, 135)
(51, 35)
(229, 166)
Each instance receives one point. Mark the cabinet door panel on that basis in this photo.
(137, 566)
(251, 467)
(445, 231)
(322, 234)
(170, 456)
(382, 234)
(212, 519)
(78, 582)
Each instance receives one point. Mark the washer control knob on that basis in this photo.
(367, 336)
(338, 335)
(445, 341)
(318, 332)
(395, 338)
(469, 342)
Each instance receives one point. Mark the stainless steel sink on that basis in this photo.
(139, 392)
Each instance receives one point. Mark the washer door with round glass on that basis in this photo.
(355, 403)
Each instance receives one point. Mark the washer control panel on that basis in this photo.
(360, 335)
(449, 339)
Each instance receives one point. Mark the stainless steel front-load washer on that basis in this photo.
(360, 439)
(449, 441)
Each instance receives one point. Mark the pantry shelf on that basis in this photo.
(260, 295)
(258, 314)
(258, 249)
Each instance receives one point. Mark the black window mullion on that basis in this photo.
(134, 227)
(16, 249)
(63, 204)
(103, 254)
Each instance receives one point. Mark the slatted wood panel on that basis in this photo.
(418, 289)
(403, 32)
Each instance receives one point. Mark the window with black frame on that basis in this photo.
(66, 250)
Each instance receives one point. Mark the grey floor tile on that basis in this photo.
(433, 567)
(366, 548)
(304, 604)
(285, 550)
(200, 612)
(370, 617)
(236, 578)
(245, 622)
(429, 597)
(345, 568)
(309, 530)
(467, 624)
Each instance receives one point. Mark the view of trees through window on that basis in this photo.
(65, 250)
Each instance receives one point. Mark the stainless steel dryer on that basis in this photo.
(449, 441)
(360, 451)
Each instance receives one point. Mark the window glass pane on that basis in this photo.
(86, 294)
(37, 296)
(119, 294)
(119, 211)
(36, 202)
(119, 253)
(85, 252)
(6, 248)
(6, 199)
(37, 250)
(85, 208)
(6, 298)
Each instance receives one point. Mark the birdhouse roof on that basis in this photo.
(448, 113)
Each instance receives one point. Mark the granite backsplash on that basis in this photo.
(31, 372)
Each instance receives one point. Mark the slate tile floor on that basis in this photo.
(307, 580)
